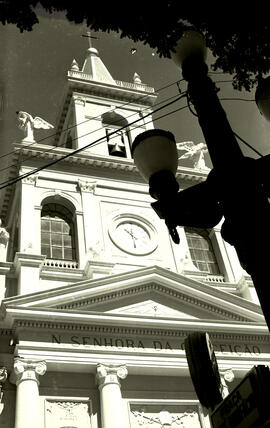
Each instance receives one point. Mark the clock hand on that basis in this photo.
(130, 232)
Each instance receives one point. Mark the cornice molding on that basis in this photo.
(175, 286)
(88, 158)
(189, 300)
(144, 332)
(52, 153)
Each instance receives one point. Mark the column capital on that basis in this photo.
(30, 179)
(79, 100)
(87, 186)
(3, 375)
(108, 374)
(226, 375)
(28, 369)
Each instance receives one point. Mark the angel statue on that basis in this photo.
(27, 123)
(195, 152)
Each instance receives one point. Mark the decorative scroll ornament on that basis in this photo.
(165, 419)
(227, 376)
(87, 186)
(110, 374)
(195, 152)
(27, 124)
(28, 369)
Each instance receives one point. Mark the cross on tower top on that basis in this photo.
(88, 34)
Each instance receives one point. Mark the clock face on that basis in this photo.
(133, 236)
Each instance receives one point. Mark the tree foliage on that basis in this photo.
(239, 41)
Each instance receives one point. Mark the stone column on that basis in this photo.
(111, 403)
(27, 373)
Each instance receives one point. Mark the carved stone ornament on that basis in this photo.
(95, 251)
(228, 374)
(194, 152)
(31, 179)
(136, 78)
(27, 124)
(147, 416)
(75, 65)
(28, 369)
(107, 374)
(67, 413)
(87, 186)
(79, 101)
(3, 375)
(4, 235)
(3, 378)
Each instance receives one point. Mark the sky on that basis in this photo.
(33, 71)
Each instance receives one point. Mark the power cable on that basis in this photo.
(248, 145)
(87, 120)
(16, 179)
(240, 138)
(51, 149)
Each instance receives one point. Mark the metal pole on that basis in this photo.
(236, 180)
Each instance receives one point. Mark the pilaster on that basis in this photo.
(27, 221)
(91, 220)
(27, 267)
(4, 239)
(79, 110)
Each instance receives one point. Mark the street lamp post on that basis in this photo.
(237, 187)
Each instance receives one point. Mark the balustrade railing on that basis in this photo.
(66, 264)
(126, 85)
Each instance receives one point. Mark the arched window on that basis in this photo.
(119, 143)
(57, 232)
(201, 250)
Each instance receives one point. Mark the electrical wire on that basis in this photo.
(25, 175)
(121, 105)
(248, 145)
(124, 104)
(51, 149)
(87, 120)
(236, 135)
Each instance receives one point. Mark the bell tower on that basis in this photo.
(101, 113)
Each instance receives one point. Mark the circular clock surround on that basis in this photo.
(133, 234)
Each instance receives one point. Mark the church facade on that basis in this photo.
(96, 299)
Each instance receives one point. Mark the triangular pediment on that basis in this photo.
(151, 308)
(152, 291)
